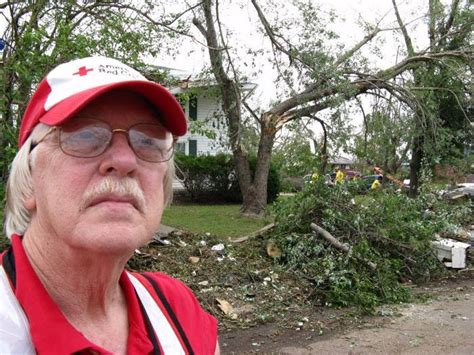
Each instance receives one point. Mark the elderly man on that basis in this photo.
(88, 187)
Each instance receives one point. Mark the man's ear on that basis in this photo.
(30, 203)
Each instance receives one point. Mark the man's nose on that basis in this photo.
(119, 158)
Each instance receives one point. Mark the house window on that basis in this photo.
(193, 106)
(180, 147)
(193, 147)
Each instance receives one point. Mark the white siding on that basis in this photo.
(208, 110)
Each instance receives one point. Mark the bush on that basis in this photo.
(386, 228)
(210, 178)
(292, 184)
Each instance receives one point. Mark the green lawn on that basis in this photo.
(221, 220)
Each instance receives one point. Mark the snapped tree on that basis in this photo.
(321, 79)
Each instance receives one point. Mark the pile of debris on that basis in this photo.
(236, 282)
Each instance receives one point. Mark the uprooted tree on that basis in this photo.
(320, 79)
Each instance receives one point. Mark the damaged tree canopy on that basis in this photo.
(318, 77)
(361, 249)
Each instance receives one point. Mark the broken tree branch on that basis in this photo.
(330, 238)
(358, 46)
(258, 233)
(337, 244)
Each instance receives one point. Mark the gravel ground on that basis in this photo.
(441, 325)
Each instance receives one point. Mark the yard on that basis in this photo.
(220, 220)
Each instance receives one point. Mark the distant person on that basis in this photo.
(86, 189)
(339, 176)
(377, 182)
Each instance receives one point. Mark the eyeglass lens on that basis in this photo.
(88, 137)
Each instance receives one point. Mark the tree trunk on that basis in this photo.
(415, 165)
(255, 196)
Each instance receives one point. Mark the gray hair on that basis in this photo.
(20, 184)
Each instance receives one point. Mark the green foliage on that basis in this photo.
(388, 132)
(293, 156)
(209, 178)
(385, 228)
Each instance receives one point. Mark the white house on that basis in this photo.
(207, 132)
(202, 106)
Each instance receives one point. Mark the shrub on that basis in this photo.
(292, 184)
(210, 178)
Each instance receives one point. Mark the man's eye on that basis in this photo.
(92, 134)
(147, 141)
(86, 135)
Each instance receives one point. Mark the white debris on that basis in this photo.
(451, 252)
(218, 247)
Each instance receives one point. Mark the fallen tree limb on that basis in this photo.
(254, 234)
(337, 244)
(330, 238)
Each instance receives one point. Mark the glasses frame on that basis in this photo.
(115, 130)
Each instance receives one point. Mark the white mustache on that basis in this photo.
(125, 187)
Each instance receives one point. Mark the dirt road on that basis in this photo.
(442, 325)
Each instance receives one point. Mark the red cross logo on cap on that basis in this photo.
(82, 71)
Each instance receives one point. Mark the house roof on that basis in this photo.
(341, 161)
(205, 83)
(187, 80)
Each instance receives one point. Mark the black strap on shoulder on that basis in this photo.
(149, 328)
(171, 313)
(9, 265)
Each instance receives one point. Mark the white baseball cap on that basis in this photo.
(71, 86)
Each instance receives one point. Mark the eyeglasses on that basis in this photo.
(84, 137)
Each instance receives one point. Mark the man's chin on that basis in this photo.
(114, 238)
